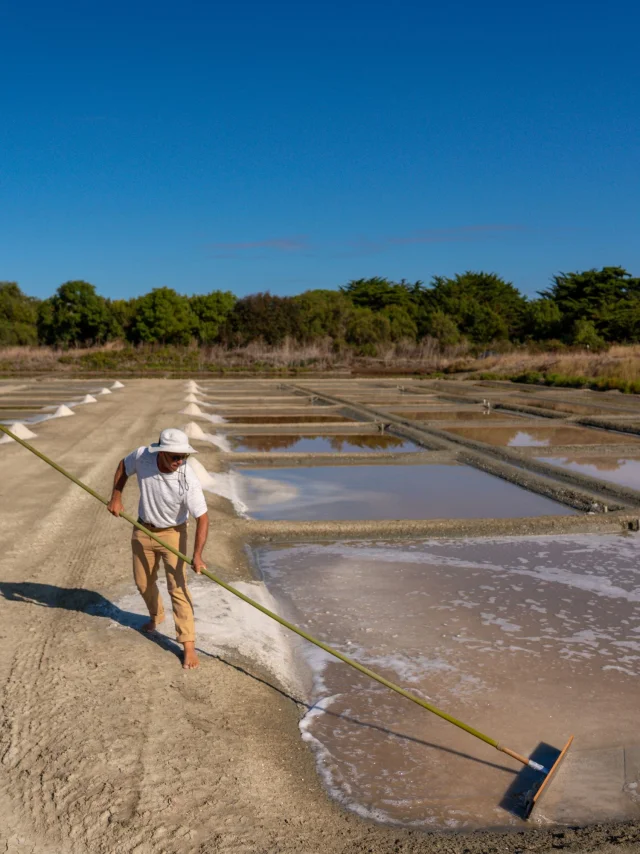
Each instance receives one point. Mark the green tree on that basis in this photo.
(366, 328)
(263, 317)
(401, 324)
(378, 293)
(18, 316)
(482, 305)
(542, 320)
(595, 295)
(124, 311)
(323, 314)
(162, 316)
(440, 326)
(211, 311)
(584, 334)
(75, 315)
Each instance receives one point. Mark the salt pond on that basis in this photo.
(528, 639)
(624, 472)
(342, 444)
(385, 492)
(533, 436)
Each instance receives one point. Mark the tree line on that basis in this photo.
(590, 308)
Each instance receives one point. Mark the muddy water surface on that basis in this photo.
(386, 492)
(528, 640)
(624, 472)
(284, 419)
(345, 444)
(540, 436)
(456, 415)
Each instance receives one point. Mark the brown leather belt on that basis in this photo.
(155, 528)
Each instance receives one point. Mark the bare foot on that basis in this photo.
(151, 625)
(190, 659)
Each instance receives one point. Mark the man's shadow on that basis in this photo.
(86, 602)
(90, 602)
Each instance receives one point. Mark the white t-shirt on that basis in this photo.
(165, 499)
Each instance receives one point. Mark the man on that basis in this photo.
(169, 492)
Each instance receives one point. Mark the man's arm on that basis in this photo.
(202, 530)
(115, 506)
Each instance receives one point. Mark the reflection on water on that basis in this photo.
(540, 436)
(386, 492)
(624, 472)
(453, 415)
(284, 419)
(527, 639)
(319, 444)
(574, 408)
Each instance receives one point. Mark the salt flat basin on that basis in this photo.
(624, 472)
(526, 639)
(236, 418)
(386, 492)
(342, 444)
(456, 415)
(574, 408)
(530, 436)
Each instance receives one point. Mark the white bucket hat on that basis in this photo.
(172, 441)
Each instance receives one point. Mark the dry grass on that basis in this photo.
(620, 363)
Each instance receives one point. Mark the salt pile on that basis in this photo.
(104, 391)
(224, 622)
(62, 412)
(191, 409)
(195, 431)
(223, 484)
(117, 384)
(191, 398)
(88, 398)
(19, 430)
(194, 409)
(192, 386)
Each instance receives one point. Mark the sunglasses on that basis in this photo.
(176, 457)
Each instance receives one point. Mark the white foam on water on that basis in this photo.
(598, 585)
(194, 409)
(104, 391)
(195, 431)
(62, 412)
(599, 565)
(224, 484)
(117, 384)
(18, 429)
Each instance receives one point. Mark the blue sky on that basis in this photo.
(284, 146)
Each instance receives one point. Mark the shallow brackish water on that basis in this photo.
(624, 472)
(530, 436)
(526, 639)
(457, 415)
(385, 492)
(343, 444)
(236, 418)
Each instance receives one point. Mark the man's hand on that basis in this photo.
(198, 564)
(115, 506)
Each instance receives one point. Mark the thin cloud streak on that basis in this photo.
(296, 243)
(460, 234)
(358, 246)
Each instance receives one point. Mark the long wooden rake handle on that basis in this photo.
(345, 658)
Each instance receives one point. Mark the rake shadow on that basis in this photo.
(91, 602)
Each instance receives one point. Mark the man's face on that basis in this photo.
(172, 462)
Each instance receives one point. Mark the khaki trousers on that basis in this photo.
(147, 555)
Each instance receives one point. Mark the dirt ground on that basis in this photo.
(106, 744)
